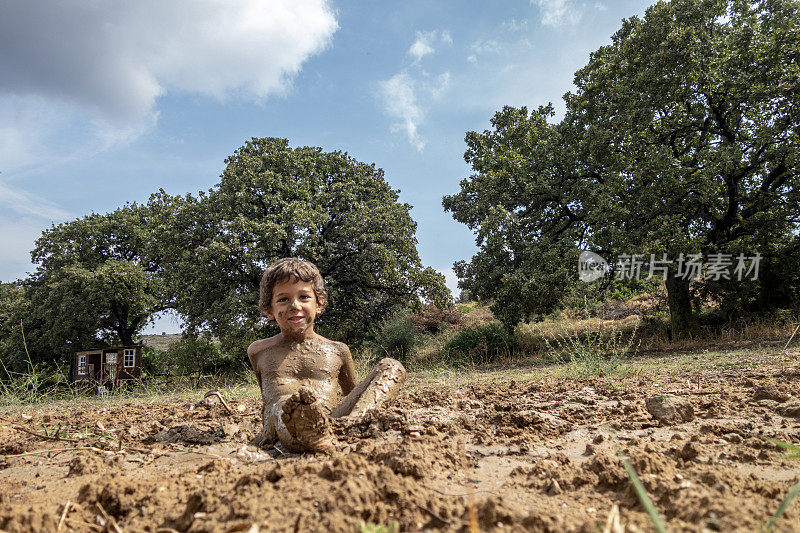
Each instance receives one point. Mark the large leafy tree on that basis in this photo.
(520, 202)
(94, 281)
(682, 137)
(276, 201)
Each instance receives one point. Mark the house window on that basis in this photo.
(81, 365)
(129, 357)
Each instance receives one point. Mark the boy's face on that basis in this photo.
(294, 306)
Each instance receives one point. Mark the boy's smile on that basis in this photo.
(294, 307)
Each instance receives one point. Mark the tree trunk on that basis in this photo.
(126, 336)
(682, 321)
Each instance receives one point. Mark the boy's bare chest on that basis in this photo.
(303, 361)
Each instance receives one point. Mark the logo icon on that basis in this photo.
(591, 266)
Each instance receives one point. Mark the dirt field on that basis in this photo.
(490, 454)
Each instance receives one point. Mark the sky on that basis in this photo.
(103, 102)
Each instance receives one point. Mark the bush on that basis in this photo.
(480, 344)
(433, 320)
(396, 336)
(197, 355)
(594, 351)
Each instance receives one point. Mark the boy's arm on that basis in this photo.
(347, 373)
(252, 354)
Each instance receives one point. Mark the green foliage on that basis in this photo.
(275, 201)
(480, 344)
(392, 527)
(682, 137)
(526, 250)
(396, 336)
(644, 498)
(15, 316)
(198, 355)
(95, 283)
(794, 451)
(35, 383)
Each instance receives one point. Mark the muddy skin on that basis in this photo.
(300, 373)
(300, 383)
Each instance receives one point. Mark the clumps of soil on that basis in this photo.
(85, 464)
(770, 392)
(25, 520)
(536, 456)
(421, 457)
(188, 435)
(340, 493)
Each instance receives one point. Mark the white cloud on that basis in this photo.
(556, 13)
(28, 204)
(472, 58)
(19, 235)
(514, 25)
(101, 66)
(440, 86)
(423, 45)
(600, 6)
(399, 95)
(420, 48)
(117, 57)
(482, 46)
(400, 100)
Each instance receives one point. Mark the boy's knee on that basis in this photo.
(387, 364)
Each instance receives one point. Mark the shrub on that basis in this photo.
(198, 355)
(480, 344)
(433, 320)
(592, 352)
(396, 335)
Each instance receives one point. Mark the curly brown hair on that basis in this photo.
(291, 268)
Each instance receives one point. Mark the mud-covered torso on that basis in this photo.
(285, 366)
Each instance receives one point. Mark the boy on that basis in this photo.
(298, 370)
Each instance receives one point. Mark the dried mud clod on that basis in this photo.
(669, 409)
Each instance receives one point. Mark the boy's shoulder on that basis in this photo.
(264, 344)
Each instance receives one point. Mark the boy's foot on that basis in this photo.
(307, 422)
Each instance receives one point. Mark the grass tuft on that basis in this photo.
(644, 498)
(391, 527)
(783, 506)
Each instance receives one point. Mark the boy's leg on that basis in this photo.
(297, 422)
(302, 423)
(380, 386)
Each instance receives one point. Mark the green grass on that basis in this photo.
(644, 498)
(657, 520)
(391, 527)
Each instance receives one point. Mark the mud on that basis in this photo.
(489, 456)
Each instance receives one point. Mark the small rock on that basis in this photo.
(669, 409)
(769, 404)
(790, 409)
(770, 392)
(554, 488)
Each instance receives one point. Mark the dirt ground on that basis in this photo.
(489, 455)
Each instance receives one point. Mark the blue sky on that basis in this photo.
(102, 103)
